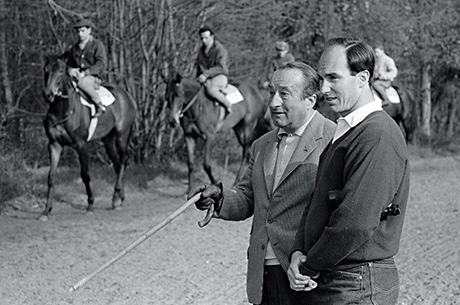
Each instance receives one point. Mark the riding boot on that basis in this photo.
(226, 103)
(100, 109)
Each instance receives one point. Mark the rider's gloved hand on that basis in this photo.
(211, 194)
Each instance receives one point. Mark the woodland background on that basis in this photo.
(148, 41)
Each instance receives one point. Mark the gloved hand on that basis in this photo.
(211, 194)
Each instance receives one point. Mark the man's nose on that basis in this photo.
(275, 100)
(324, 86)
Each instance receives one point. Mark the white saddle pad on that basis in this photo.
(393, 96)
(106, 96)
(233, 95)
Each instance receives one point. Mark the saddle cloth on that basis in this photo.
(232, 94)
(107, 99)
(393, 96)
(106, 96)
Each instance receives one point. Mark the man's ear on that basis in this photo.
(311, 100)
(364, 78)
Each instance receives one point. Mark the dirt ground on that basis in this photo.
(185, 264)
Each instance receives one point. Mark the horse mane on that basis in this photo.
(190, 84)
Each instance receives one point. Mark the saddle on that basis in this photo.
(232, 94)
(393, 95)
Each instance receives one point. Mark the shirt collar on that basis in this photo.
(299, 130)
(357, 116)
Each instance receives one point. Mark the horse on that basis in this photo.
(403, 111)
(67, 123)
(199, 116)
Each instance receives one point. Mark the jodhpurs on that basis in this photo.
(88, 85)
(380, 86)
(214, 85)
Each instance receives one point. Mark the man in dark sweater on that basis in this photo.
(351, 230)
(212, 67)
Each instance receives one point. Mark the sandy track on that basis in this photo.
(183, 264)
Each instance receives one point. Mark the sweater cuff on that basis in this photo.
(306, 271)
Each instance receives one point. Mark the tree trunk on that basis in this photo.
(6, 82)
(452, 110)
(425, 125)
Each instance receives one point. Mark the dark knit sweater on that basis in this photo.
(359, 175)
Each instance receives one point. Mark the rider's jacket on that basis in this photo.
(385, 68)
(214, 62)
(92, 59)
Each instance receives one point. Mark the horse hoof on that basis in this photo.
(43, 217)
(90, 213)
(117, 208)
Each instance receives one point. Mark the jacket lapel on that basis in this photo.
(305, 147)
(270, 152)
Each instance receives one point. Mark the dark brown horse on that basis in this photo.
(403, 112)
(67, 123)
(201, 117)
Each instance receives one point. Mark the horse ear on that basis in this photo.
(64, 56)
(178, 78)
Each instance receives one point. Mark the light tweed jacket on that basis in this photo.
(276, 213)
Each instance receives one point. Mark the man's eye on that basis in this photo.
(284, 93)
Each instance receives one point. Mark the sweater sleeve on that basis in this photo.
(221, 66)
(100, 59)
(390, 71)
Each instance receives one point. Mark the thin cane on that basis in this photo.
(143, 238)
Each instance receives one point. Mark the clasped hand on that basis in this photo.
(75, 73)
(298, 281)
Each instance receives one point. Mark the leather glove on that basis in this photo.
(211, 194)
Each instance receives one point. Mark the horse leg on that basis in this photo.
(190, 142)
(84, 174)
(242, 135)
(209, 140)
(118, 158)
(55, 150)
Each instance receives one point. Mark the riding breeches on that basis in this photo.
(380, 86)
(88, 84)
(213, 88)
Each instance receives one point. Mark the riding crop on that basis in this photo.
(144, 237)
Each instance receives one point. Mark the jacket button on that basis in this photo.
(263, 247)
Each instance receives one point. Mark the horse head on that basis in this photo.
(55, 74)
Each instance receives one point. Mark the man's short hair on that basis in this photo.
(310, 76)
(205, 29)
(360, 55)
(379, 45)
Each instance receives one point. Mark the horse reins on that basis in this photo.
(189, 104)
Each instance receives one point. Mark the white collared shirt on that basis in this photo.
(354, 118)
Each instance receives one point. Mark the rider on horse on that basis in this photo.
(212, 67)
(87, 60)
(384, 73)
(282, 56)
